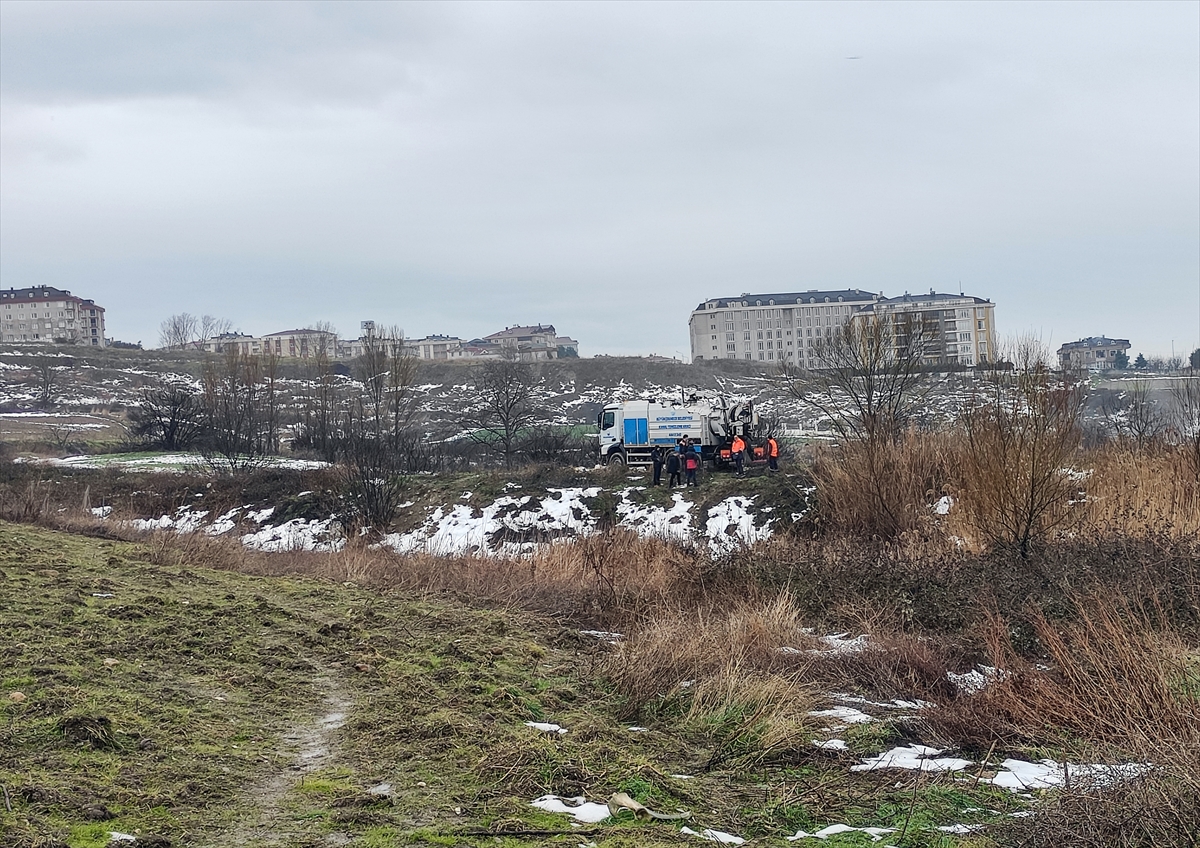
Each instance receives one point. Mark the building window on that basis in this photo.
(979, 325)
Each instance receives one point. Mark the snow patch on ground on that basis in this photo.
(975, 681)
(460, 530)
(652, 520)
(731, 526)
(1021, 776)
(915, 757)
(297, 535)
(845, 715)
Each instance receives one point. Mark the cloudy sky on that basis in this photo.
(459, 167)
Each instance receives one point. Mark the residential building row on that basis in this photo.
(46, 314)
(793, 327)
(540, 342)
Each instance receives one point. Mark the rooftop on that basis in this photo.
(785, 298)
(1096, 341)
(930, 297)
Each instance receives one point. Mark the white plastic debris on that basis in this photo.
(710, 835)
(876, 833)
(960, 828)
(546, 727)
(580, 809)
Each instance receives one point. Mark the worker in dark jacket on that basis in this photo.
(657, 458)
(673, 469)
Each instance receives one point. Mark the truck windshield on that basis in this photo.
(610, 418)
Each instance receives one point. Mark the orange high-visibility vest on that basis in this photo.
(772, 447)
(738, 445)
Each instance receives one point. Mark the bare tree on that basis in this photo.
(171, 417)
(869, 383)
(178, 331)
(317, 427)
(49, 372)
(504, 409)
(239, 409)
(377, 440)
(1134, 416)
(211, 327)
(870, 388)
(1021, 434)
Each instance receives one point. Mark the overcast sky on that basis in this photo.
(458, 167)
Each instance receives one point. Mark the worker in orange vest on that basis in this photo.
(772, 454)
(738, 449)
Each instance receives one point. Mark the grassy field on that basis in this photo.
(148, 696)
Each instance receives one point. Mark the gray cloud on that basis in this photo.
(455, 167)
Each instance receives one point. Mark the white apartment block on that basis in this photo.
(291, 344)
(44, 314)
(953, 329)
(784, 327)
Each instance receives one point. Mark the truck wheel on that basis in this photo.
(616, 458)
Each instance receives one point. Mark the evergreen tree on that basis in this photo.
(1121, 360)
(1194, 359)
(1140, 363)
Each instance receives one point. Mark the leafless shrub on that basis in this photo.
(1135, 417)
(171, 417)
(1185, 419)
(881, 487)
(869, 387)
(1020, 437)
(240, 402)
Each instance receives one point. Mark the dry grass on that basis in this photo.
(1138, 493)
(882, 488)
(1111, 676)
(1114, 687)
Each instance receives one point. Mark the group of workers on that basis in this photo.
(683, 462)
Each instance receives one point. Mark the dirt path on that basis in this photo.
(307, 747)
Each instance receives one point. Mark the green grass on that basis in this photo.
(192, 730)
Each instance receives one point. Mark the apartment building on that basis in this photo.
(44, 314)
(951, 329)
(292, 344)
(772, 327)
(1096, 353)
(436, 347)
